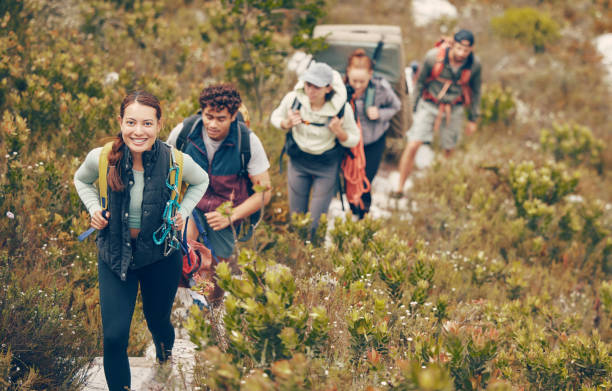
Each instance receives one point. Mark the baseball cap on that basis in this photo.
(464, 35)
(318, 74)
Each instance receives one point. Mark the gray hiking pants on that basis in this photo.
(314, 181)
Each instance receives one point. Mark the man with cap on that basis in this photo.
(318, 123)
(450, 78)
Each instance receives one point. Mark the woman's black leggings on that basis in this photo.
(373, 155)
(158, 286)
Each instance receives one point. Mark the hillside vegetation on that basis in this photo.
(500, 278)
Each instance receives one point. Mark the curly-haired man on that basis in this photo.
(213, 139)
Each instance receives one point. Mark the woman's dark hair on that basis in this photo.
(116, 153)
(219, 97)
(358, 59)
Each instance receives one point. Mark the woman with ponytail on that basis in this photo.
(375, 104)
(128, 257)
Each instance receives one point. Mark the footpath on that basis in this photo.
(183, 356)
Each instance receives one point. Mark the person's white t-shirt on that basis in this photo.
(258, 164)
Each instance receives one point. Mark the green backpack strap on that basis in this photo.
(102, 173)
(177, 160)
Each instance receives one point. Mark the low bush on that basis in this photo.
(497, 105)
(263, 321)
(574, 144)
(576, 363)
(42, 346)
(471, 351)
(536, 188)
(527, 25)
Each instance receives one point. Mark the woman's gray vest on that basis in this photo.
(115, 246)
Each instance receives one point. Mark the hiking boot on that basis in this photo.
(396, 195)
(161, 377)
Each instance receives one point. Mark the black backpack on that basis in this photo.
(290, 147)
(190, 123)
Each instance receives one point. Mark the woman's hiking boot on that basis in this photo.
(161, 376)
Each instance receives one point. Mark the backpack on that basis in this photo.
(443, 46)
(293, 150)
(245, 156)
(176, 160)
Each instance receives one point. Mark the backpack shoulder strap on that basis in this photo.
(466, 74)
(176, 160)
(244, 146)
(188, 125)
(102, 172)
(436, 70)
(341, 112)
(296, 104)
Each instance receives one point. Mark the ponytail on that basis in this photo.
(113, 177)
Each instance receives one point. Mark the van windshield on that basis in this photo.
(389, 65)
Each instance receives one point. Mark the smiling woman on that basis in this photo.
(139, 128)
(128, 255)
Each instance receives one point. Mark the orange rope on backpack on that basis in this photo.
(353, 169)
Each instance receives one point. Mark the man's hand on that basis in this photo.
(373, 113)
(292, 120)
(216, 220)
(98, 221)
(470, 128)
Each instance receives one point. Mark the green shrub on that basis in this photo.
(578, 362)
(41, 344)
(535, 190)
(544, 370)
(573, 143)
(528, 26)
(368, 331)
(301, 223)
(471, 350)
(263, 321)
(300, 373)
(247, 32)
(411, 376)
(589, 361)
(497, 105)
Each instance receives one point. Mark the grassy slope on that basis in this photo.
(465, 214)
